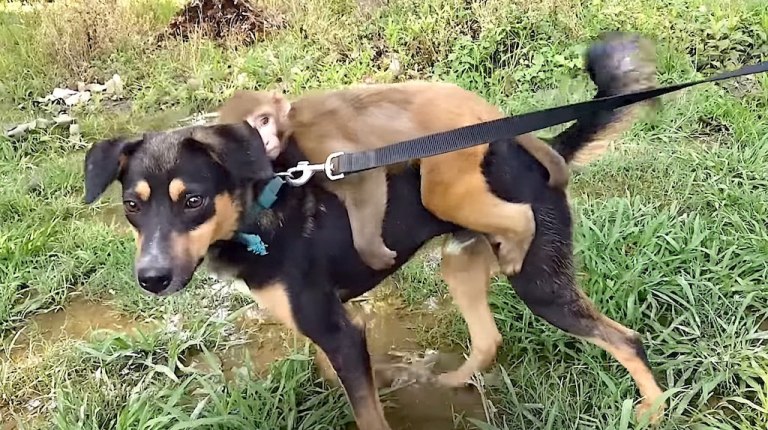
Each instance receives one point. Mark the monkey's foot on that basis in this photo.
(378, 257)
(511, 251)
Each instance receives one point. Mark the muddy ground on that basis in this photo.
(400, 361)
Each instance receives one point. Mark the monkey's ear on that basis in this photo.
(103, 163)
(282, 105)
(238, 148)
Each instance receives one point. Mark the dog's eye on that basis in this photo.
(130, 206)
(193, 202)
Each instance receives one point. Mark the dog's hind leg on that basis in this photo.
(318, 314)
(565, 306)
(467, 265)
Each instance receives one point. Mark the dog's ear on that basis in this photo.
(237, 147)
(103, 163)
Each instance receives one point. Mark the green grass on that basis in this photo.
(671, 235)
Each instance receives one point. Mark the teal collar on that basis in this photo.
(264, 201)
(252, 242)
(266, 198)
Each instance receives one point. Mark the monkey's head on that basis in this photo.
(264, 110)
(182, 191)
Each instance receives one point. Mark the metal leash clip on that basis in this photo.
(307, 170)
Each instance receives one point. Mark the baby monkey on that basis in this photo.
(364, 117)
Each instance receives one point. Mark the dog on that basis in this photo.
(205, 192)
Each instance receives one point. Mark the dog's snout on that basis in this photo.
(154, 279)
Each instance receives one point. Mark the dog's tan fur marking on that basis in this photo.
(176, 188)
(274, 298)
(122, 160)
(468, 273)
(192, 245)
(605, 140)
(369, 413)
(641, 77)
(142, 190)
(613, 339)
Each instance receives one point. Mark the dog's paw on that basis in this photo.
(453, 379)
(645, 410)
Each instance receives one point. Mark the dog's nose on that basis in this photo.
(154, 279)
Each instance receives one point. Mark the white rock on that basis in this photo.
(95, 88)
(19, 130)
(394, 66)
(118, 82)
(77, 98)
(63, 119)
(43, 123)
(62, 93)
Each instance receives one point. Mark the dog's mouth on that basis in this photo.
(172, 289)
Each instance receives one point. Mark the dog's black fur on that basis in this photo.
(311, 256)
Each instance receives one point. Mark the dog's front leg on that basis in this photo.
(318, 313)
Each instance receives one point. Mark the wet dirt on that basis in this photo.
(392, 337)
(392, 330)
(392, 333)
(77, 320)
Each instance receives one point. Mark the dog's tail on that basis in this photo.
(618, 63)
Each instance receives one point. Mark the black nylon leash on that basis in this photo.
(477, 134)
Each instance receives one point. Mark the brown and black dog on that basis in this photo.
(190, 193)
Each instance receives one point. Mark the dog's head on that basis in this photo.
(182, 191)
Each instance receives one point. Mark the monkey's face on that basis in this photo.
(182, 191)
(267, 125)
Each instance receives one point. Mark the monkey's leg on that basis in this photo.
(467, 264)
(548, 157)
(454, 189)
(365, 198)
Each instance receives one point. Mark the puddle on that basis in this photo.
(263, 344)
(76, 321)
(432, 408)
(392, 333)
(392, 339)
